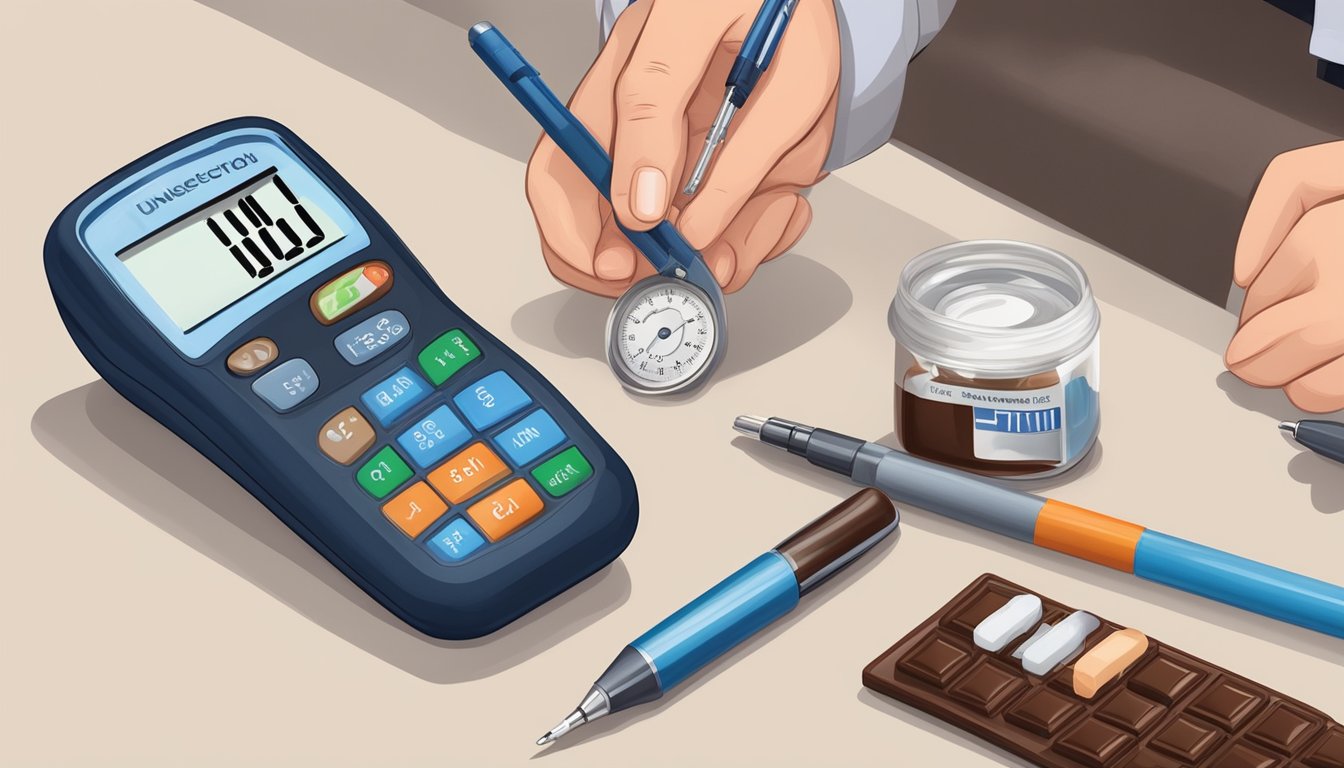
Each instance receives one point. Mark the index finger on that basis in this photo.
(1293, 183)
(567, 207)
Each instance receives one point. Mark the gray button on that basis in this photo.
(372, 337)
(292, 382)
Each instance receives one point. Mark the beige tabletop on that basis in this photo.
(156, 614)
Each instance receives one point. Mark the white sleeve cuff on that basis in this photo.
(1327, 32)
(877, 40)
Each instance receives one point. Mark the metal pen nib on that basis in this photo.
(713, 139)
(594, 705)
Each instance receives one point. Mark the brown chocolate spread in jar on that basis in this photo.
(997, 368)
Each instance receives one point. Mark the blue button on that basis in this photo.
(392, 397)
(434, 437)
(530, 437)
(372, 337)
(292, 382)
(491, 400)
(457, 540)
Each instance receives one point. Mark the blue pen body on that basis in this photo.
(1241, 582)
(730, 612)
(663, 245)
(758, 48)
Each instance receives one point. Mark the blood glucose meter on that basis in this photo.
(234, 287)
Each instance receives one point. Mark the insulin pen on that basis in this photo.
(1322, 437)
(1051, 524)
(758, 49)
(735, 608)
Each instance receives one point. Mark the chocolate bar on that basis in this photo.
(1168, 709)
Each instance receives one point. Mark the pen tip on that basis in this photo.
(1288, 426)
(545, 739)
(749, 425)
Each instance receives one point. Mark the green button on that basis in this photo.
(383, 473)
(447, 355)
(563, 473)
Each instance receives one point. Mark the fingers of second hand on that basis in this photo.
(1320, 390)
(1286, 341)
(1293, 183)
(752, 236)
(651, 95)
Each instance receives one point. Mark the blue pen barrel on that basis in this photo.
(730, 612)
(1243, 583)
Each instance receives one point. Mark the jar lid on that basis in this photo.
(995, 308)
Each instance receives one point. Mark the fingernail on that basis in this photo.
(1241, 349)
(614, 264)
(725, 264)
(648, 194)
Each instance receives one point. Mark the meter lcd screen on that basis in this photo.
(233, 245)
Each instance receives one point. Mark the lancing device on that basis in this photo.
(735, 609)
(1323, 437)
(1051, 524)
(753, 58)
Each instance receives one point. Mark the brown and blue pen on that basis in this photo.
(735, 609)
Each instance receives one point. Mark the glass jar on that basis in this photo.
(998, 366)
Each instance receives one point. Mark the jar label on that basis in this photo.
(1008, 424)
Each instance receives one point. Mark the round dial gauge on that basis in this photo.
(663, 335)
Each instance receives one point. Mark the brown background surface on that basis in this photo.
(155, 614)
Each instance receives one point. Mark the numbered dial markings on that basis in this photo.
(665, 334)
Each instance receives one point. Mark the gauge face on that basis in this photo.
(664, 334)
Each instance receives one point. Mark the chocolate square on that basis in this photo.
(1284, 728)
(1147, 758)
(988, 686)
(1165, 680)
(1328, 752)
(1228, 704)
(936, 660)
(978, 609)
(1242, 756)
(1094, 744)
(1042, 712)
(1188, 739)
(1131, 711)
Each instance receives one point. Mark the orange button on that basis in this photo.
(460, 477)
(506, 510)
(414, 509)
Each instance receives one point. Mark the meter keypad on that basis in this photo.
(472, 470)
(530, 437)
(346, 436)
(455, 541)
(423, 475)
(506, 510)
(372, 337)
(433, 437)
(383, 473)
(292, 382)
(252, 356)
(447, 355)
(414, 509)
(491, 400)
(394, 396)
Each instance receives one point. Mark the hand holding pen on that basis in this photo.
(650, 99)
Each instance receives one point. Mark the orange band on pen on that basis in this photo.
(1087, 534)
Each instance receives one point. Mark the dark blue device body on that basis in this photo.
(275, 455)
